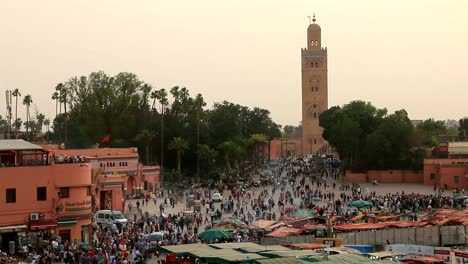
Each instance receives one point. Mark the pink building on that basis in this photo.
(41, 198)
(116, 174)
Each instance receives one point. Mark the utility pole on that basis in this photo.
(161, 169)
(8, 113)
(198, 143)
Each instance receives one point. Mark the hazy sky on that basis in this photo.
(396, 54)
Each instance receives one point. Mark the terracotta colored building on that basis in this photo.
(284, 147)
(314, 89)
(40, 196)
(116, 174)
(452, 173)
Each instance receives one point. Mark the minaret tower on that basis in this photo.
(314, 89)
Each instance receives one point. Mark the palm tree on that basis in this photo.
(18, 124)
(60, 94)
(40, 122)
(16, 93)
(161, 96)
(146, 137)
(47, 124)
(227, 149)
(55, 96)
(27, 100)
(179, 145)
(258, 141)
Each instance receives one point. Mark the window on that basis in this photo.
(88, 191)
(65, 192)
(456, 179)
(316, 89)
(11, 195)
(316, 64)
(41, 193)
(315, 141)
(316, 43)
(315, 115)
(432, 176)
(315, 106)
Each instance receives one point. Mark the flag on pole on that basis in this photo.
(106, 139)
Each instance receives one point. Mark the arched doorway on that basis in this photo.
(130, 186)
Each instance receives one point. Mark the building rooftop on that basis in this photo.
(17, 144)
(98, 152)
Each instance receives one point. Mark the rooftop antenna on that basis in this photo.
(313, 19)
(8, 112)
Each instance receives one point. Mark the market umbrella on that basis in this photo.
(360, 204)
(302, 213)
(213, 234)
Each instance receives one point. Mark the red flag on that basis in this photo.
(106, 139)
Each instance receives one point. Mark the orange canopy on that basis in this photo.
(262, 224)
(285, 231)
(311, 227)
(305, 246)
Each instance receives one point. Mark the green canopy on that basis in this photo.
(213, 234)
(360, 204)
(302, 213)
(460, 197)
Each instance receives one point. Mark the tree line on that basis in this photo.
(169, 127)
(366, 137)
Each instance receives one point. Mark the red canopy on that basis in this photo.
(367, 226)
(424, 260)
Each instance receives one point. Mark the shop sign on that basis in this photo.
(78, 206)
(120, 173)
(461, 256)
(442, 252)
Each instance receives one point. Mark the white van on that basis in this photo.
(108, 217)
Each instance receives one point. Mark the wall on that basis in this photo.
(385, 176)
(356, 177)
(428, 236)
(27, 179)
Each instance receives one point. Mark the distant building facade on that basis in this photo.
(116, 174)
(314, 90)
(449, 167)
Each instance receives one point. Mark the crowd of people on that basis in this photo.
(296, 183)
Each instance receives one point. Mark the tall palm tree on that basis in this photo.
(18, 123)
(146, 137)
(40, 122)
(55, 96)
(16, 93)
(161, 96)
(61, 95)
(258, 142)
(227, 149)
(27, 100)
(47, 124)
(179, 145)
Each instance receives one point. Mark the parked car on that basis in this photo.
(155, 238)
(217, 197)
(108, 217)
